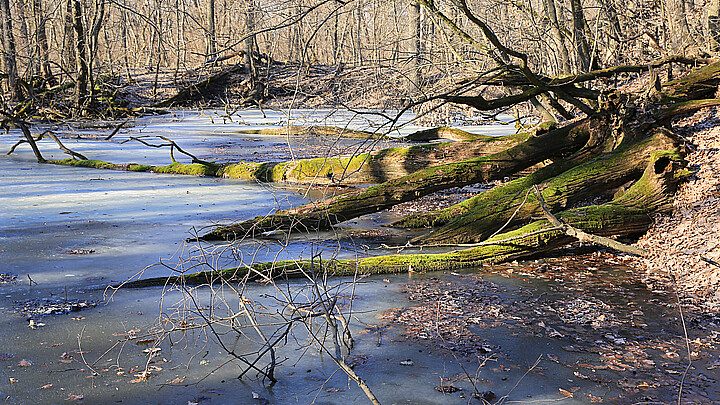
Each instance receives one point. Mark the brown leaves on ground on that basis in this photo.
(677, 243)
(73, 397)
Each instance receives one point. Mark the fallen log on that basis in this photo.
(565, 183)
(626, 215)
(324, 214)
(364, 168)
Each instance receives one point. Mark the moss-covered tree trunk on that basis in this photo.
(324, 214)
(628, 214)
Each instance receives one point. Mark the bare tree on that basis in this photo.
(9, 53)
(42, 43)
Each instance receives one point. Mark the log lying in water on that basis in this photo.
(627, 214)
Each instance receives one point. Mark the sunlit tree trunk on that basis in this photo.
(81, 82)
(211, 37)
(93, 41)
(9, 54)
(414, 48)
(68, 51)
(562, 52)
(26, 41)
(250, 43)
(582, 49)
(42, 44)
(713, 25)
(678, 35)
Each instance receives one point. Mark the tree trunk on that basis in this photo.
(81, 82)
(42, 44)
(629, 214)
(26, 43)
(582, 49)
(562, 52)
(564, 184)
(211, 37)
(324, 214)
(387, 164)
(414, 49)
(713, 25)
(69, 60)
(251, 48)
(679, 38)
(93, 39)
(9, 54)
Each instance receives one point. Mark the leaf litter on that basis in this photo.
(616, 335)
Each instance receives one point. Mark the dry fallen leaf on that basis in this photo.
(178, 380)
(73, 397)
(566, 393)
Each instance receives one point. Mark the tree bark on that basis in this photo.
(713, 25)
(42, 44)
(510, 206)
(414, 49)
(9, 53)
(582, 48)
(679, 38)
(211, 37)
(562, 52)
(81, 65)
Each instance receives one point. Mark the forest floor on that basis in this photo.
(685, 246)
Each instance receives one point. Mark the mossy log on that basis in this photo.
(564, 183)
(628, 214)
(364, 168)
(322, 215)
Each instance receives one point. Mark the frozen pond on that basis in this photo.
(67, 233)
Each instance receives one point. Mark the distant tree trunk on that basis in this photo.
(123, 35)
(414, 48)
(335, 40)
(94, 41)
(562, 51)
(582, 49)
(211, 38)
(250, 43)
(68, 53)
(357, 44)
(713, 25)
(81, 63)
(26, 43)
(9, 55)
(42, 43)
(678, 37)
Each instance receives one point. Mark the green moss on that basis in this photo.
(139, 168)
(240, 170)
(94, 164)
(191, 169)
